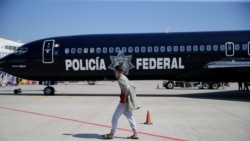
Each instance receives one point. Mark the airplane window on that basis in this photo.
(98, 50)
(150, 49)
(130, 49)
(124, 49)
(222, 47)
(169, 48)
(104, 50)
(182, 48)
(66, 51)
(143, 49)
(111, 50)
(156, 49)
(195, 48)
(189, 48)
(92, 50)
(175, 48)
(137, 49)
(73, 50)
(117, 49)
(79, 50)
(202, 48)
(163, 49)
(237, 47)
(209, 47)
(244, 47)
(215, 47)
(86, 50)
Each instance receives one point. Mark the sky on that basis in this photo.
(29, 20)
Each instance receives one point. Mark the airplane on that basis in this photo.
(192, 56)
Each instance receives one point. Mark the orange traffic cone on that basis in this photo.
(148, 118)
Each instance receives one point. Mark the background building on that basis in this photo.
(7, 47)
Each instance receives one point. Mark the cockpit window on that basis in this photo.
(21, 50)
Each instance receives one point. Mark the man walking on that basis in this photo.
(240, 85)
(127, 104)
(246, 86)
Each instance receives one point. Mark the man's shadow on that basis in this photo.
(85, 135)
(89, 136)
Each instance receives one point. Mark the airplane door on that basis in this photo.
(48, 51)
(229, 49)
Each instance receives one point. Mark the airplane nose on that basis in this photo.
(2, 63)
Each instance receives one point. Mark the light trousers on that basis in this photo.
(121, 109)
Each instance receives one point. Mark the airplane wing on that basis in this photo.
(228, 64)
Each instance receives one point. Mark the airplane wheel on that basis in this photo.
(170, 85)
(205, 86)
(17, 91)
(49, 91)
(215, 86)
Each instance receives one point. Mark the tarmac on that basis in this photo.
(83, 112)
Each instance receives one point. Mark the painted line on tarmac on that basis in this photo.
(91, 123)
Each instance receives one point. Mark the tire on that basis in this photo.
(91, 82)
(205, 86)
(169, 85)
(215, 86)
(17, 91)
(49, 91)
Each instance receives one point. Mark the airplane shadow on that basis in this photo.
(241, 96)
(224, 95)
(234, 95)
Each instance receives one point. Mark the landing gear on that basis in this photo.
(169, 85)
(210, 85)
(205, 86)
(215, 86)
(49, 90)
(18, 91)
